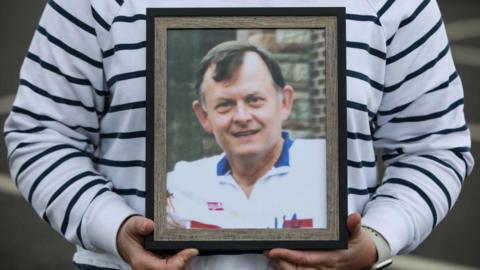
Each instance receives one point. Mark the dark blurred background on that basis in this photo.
(28, 243)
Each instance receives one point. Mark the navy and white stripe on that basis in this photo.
(76, 133)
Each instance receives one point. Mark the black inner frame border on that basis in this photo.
(237, 247)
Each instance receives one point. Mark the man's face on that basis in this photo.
(246, 113)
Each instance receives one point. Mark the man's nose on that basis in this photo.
(241, 114)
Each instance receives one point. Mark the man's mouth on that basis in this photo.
(244, 133)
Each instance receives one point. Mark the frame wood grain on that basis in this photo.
(227, 241)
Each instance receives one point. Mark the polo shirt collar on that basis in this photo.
(223, 167)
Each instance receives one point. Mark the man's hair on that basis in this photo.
(228, 58)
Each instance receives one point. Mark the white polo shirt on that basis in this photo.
(204, 194)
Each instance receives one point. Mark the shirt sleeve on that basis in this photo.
(52, 132)
(419, 127)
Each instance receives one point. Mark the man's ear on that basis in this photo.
(201, 116)
(287, 101)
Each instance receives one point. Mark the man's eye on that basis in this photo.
(223, 106)
(255, 100)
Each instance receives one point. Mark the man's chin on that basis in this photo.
(247, 154)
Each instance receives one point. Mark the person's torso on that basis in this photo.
(125, 69)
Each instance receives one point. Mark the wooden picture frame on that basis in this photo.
(161, 26)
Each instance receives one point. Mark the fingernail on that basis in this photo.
(194, 252)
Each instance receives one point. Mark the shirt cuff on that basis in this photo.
(383, 248)
(392, 223)
(102, 221)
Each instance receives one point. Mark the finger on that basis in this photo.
(327, 258)
(187, 266)
(354, 224)
(295, 257)
(147, 260)
(181, 259)
(283, 265)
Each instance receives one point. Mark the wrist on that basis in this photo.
(120, 236)
(102, 222)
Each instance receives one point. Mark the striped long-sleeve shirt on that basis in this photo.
(76, 133)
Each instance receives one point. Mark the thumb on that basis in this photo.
(354, 224)
(143, 226)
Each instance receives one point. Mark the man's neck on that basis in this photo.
(247, 172)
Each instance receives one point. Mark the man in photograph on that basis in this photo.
(263, 178)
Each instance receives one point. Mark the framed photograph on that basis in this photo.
(246, 129)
